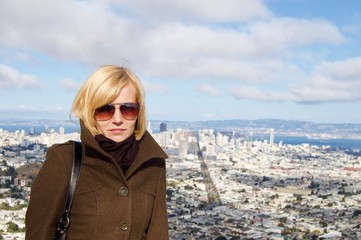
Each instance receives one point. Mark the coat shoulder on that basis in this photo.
(147, 142)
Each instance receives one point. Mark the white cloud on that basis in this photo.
(184, 52)
(155, 88)
(204, 11)
(29, 112)
(70, 85)
(338, 81)
(348, 70)
(11, 78)
(230, 40)
(254, 93)
(209, 89)
(97, 32)
(29, 109)
(282, 33)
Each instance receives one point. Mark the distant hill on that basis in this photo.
(38, 122)
(262, 125)
(28, 171)
(286, 127)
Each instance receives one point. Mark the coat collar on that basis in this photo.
(148, 148)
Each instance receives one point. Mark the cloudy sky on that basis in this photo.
(198, 60)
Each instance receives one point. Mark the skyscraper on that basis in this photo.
(163, 127)
(183, 149)
(271, 136)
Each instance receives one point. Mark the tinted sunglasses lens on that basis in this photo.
(105, 112)
(129, 110)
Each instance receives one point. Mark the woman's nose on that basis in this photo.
(117, 117)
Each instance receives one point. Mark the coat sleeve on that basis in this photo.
(48, 193)
(158, 227)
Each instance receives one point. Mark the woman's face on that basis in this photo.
(118, 128)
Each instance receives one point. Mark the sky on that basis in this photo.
(198, 60)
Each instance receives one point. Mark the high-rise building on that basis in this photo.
(163, 127)
(165, 139)
(210, 150)
(183, 149)
(271, 136)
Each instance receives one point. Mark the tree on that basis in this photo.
(299, 198)
(188, 187)
(313, 185)
(356, 213)
(12, 227)
(323, 223)
(283, 219)
(221, 238)
(11, 172)
(316, 233)
(169, 192)
(274, 196)
(4, 206)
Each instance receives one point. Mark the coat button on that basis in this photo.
(124, 226)
(123, 191)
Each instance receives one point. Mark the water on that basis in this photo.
(333, 143)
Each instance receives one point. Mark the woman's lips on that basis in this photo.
(117, 131)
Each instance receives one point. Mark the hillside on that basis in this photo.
(28, 171)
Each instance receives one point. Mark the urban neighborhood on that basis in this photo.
(220, 185)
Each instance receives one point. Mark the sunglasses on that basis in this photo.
(128, 110)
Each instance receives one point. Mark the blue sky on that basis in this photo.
(198, 60)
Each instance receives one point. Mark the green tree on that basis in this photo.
(299, 198)
(221, 238)
(188, 187)
(323, 223)
(4, 206)
(11, 172)
(283, 219)
(12, 227)
(274, 196)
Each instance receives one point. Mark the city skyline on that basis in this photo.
(198, 61)
(219, 185)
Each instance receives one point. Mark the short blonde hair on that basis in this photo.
(103, 87)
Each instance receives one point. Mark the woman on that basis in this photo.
(121, 190)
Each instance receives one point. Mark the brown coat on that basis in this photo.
(107, 205)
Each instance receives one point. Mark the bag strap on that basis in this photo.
(74, 177)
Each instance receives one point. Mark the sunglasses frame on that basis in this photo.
(111, 107)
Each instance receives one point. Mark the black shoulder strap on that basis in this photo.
(74, 177)
(63, 224)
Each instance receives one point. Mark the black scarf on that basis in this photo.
(123, 152)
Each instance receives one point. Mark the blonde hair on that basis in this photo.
(103, 87)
